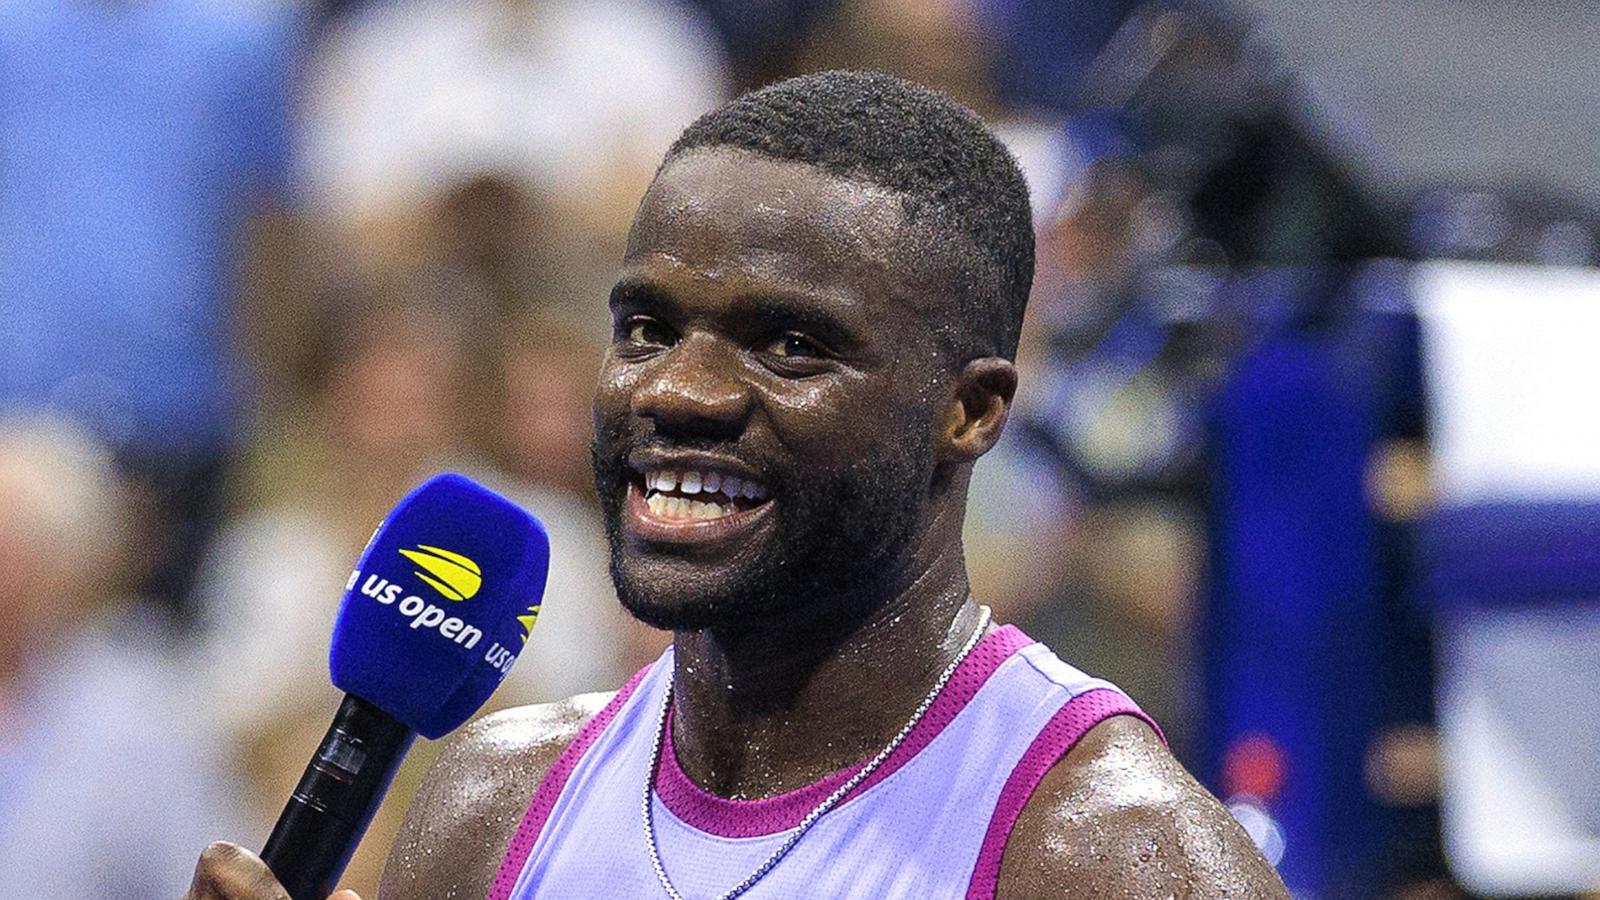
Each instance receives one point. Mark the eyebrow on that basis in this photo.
(771, 309)
(636, 293)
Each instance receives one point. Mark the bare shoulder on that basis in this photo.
(1119, 817)
(474, 797)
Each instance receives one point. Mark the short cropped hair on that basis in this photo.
(964, 195)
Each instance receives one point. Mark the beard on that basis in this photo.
(839, 544)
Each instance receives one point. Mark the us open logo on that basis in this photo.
(451, 574)
(455, 577)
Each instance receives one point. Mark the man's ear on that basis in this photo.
(977, 412)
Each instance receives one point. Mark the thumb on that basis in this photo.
(345, 895)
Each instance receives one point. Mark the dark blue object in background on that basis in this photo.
(1043, 47)
(1305, 624)
(1511, 553)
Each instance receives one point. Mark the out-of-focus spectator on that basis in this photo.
(501, 235)
(936, 42)
(574, 98)
(106, 785)
(764, 39)
(1043, 48)
(137, 140)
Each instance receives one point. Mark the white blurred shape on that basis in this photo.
(1263, 829)
(409, 97)
(1517, 737)
(1512, 366)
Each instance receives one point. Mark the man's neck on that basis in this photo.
(759, 712)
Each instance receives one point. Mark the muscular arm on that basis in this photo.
(473, 798)
(1119, 817)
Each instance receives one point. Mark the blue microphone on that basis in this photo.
(434, 614)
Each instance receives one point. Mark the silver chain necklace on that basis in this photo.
(647, 813)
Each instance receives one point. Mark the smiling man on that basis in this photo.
(814, 326)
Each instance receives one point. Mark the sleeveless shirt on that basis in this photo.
(931, 822)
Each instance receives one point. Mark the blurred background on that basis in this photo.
(1303, 458)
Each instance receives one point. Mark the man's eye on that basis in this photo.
(793, 345)
(647, 332)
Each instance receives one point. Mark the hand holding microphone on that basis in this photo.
(230, 872)
(434, 615)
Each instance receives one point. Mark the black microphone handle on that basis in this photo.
(331, 807)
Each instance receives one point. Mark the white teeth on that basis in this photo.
(681, 508)
(694, 482)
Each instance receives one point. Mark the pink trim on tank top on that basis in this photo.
(550, 787)
(1060, 734)
(721, 816)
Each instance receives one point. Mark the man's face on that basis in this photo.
(765, 413)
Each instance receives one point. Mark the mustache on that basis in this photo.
(613, 449)
(610, 454)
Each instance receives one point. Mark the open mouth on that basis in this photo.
(698, 494)
(682, 505)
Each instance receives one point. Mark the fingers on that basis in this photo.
(230, 872)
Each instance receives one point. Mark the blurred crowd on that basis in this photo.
(265, 265)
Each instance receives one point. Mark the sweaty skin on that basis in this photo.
(764, 317)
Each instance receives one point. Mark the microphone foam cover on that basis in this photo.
(440, 604)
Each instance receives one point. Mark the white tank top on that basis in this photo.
(931, 822)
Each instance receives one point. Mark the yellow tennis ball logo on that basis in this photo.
(451, 574)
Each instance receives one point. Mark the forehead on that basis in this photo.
(726, 215)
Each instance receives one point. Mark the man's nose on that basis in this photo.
(695, 387)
